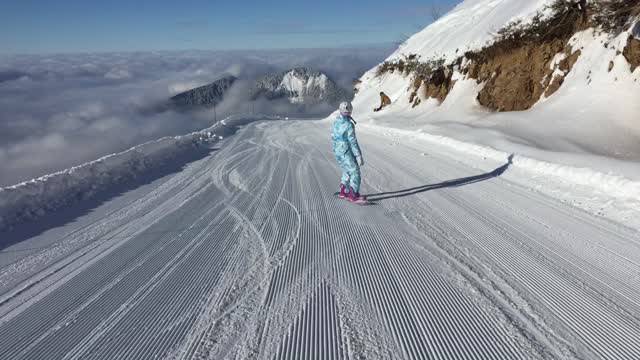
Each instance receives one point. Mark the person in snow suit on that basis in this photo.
(384, 101)
(347, 152)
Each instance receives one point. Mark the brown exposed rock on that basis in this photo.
(356, 85)
(610, 66)
(517, 73)
(437, 85)
(554, 86)
(570, 59)
(631, 52)
(515, 79)
(515, 76)
(414, 88)
(518, 68)
(565, 65)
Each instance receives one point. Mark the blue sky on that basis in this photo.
(52, 26)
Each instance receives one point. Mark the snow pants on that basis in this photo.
(350, 170)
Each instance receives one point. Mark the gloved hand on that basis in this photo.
(360, 160)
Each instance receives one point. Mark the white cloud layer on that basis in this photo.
(57, 111)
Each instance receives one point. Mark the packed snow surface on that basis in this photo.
(30, 200)
(246, 253)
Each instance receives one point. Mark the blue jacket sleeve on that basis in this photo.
(353, 142)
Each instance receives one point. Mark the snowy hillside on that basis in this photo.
(299, 86)
(498, 74)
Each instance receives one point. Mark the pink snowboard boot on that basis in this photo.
(343, 192)
(356, 197)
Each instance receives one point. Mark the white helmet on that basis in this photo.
(345, 108)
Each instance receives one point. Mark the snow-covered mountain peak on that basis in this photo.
(299, 85)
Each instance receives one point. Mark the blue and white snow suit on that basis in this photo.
(346, 150)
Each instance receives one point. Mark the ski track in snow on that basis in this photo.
(246, 254)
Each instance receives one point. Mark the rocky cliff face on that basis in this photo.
(532, 49)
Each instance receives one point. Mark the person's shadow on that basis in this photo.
(445, 184)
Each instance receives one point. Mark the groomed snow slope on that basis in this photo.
(245, 254)
(588, 131)
(30, 200)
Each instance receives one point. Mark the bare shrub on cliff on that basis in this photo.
(615, 16)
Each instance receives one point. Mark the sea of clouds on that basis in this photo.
(57, 111)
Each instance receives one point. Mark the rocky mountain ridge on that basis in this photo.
(300, 86)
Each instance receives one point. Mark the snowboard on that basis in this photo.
(361, 202)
